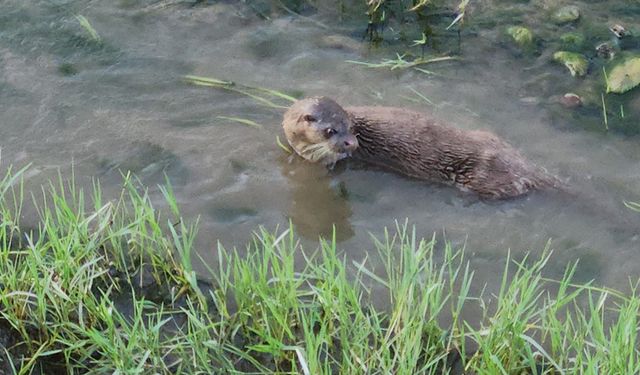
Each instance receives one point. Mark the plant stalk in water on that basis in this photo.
(261, 95)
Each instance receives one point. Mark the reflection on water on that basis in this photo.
(122, 104)
(319, 202)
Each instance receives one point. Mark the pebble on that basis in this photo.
(571, 100)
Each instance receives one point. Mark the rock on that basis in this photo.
(566, 14)
(606, 50)
(521, 35)
(570, 100)
(575, 62)
(624, 76)
(618, 30)
(572, 41)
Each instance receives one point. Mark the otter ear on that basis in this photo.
(309, 118)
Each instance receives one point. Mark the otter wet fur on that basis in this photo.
(413, 144)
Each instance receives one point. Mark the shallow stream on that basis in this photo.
(122, 104)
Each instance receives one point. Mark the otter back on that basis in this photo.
(416, 145)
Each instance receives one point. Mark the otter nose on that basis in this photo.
(350, 143)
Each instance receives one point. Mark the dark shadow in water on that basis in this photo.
(319, 200)
(148, 161)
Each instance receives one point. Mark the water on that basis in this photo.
(123, 105)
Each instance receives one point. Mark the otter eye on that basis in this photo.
(330, 132)
(309, 118)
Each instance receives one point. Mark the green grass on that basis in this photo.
(263, 96)
(107, 286)
(241, 121)
(401, 63)
(86, 25)
(635, 206)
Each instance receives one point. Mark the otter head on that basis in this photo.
(319, 130)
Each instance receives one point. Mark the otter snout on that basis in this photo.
(348, 143)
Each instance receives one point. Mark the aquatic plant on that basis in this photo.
(400, 62)
(282, 145)
(379, 11)
(635, 206)
(240, 120)
(84, 22)
(262, 95)
(605, 117)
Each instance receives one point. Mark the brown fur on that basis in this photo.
(416, 145)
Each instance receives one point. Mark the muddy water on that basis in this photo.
(122, 104)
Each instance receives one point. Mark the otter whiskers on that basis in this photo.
(316, 152)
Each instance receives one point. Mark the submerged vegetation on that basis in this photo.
(84, 22)
(401, 63)
(261, 95)
(107, 285)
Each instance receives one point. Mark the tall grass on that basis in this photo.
(380, 11)
(107, 286)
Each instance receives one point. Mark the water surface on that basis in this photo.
(122, 104)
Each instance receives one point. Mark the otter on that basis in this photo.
(413, 144)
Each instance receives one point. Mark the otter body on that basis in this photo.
(413, 144)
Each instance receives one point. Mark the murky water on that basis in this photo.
(122, 105)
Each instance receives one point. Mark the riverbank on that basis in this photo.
(106, 285)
